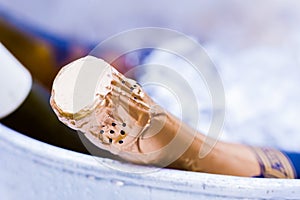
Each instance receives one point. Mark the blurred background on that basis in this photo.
(255, 46)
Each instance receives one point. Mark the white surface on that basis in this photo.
(231, 22)
(33, 170)
(15, 82)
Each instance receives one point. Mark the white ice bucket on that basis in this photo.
(31, 169)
